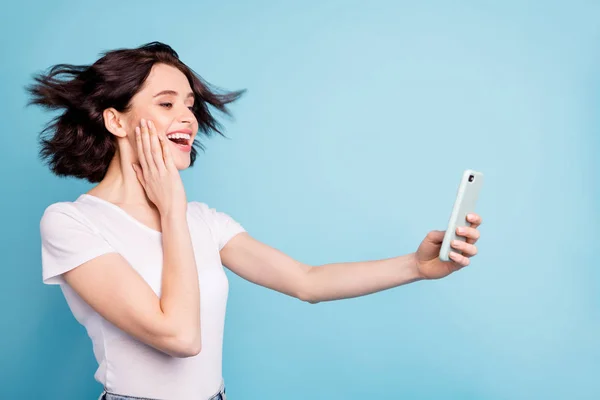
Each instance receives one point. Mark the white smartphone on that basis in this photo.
(466, 198)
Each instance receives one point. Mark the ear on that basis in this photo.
(114, 122)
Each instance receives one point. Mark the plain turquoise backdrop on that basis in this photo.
(349, 144)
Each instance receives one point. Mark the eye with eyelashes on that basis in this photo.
(170, 105)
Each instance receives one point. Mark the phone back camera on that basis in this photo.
(471, 178)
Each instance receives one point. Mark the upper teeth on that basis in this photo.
(185, 136)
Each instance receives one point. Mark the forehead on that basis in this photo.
(166, 77)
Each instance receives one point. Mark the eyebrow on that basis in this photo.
(172, 92)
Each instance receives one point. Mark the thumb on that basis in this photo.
(436, 237)
(138, 173)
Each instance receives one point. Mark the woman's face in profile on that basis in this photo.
(166, 99)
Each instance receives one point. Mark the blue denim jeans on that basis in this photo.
(113, 396)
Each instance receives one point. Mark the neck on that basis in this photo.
(120, 184)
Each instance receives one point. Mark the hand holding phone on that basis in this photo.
(464, 204)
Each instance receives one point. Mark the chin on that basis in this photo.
(181, 155)
(182, 164)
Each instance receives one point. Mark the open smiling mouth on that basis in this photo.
(181, 140)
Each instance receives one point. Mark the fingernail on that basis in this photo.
(454, 243)
(137, 130)
(143, 122)
(150, 124)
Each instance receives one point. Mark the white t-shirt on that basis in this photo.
(75, 232)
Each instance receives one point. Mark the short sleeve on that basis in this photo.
(224, 227)
(68, 240)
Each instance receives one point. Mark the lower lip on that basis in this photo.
(183, 147)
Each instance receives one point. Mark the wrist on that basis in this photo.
(414, 267)
(173, 217)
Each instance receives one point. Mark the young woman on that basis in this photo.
(140, 266)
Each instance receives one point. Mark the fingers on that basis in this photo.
(140, 149)
(474, 219)
(156, 147)
(469, 232)
(166, 151)
(467, 249)
(147, 148)
(459, 259)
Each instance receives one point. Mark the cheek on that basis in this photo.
(161, 124)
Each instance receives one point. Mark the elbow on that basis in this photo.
(191, 350)
(305, 291)
(186, 346)
(307, 295)
(307, 298)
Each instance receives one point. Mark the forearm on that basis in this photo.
(180, 297)
(345, 280)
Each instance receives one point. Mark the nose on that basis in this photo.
(187, 116)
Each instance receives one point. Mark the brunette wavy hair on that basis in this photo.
(76, 142)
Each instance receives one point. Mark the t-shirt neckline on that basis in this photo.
(121, 211)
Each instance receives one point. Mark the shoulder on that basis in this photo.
(68, 239)
(198, 206)
(223, 226)
(199, 210)
(56, 212)
(207, 213)
(62, 216)
(203, 210)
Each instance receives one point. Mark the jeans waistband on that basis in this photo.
(220, 395)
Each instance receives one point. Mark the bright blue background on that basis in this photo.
(358, 121)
